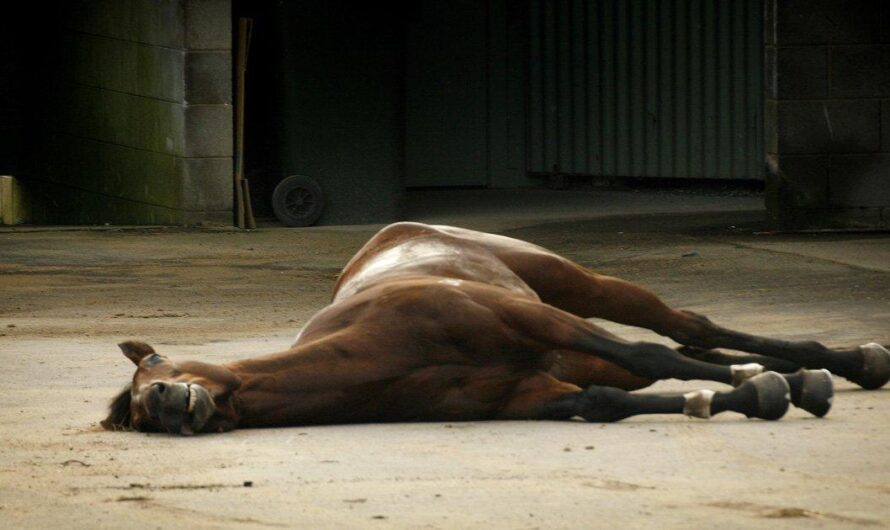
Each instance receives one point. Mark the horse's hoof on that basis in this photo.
(773, 395)
(875, 367)
(816, 392)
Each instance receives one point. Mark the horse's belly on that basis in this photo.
(442, 393)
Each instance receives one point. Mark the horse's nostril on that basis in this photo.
(160, 387)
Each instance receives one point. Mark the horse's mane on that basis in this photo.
(119, 412)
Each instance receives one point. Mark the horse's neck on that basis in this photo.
(301, 385)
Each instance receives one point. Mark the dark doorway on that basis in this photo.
(263, 96)
(446, 76)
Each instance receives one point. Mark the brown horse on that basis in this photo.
(435, 323)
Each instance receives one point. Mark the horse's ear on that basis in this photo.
(135, 350)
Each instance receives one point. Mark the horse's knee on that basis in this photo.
(651, 360)
(690, 329)
(604, 404)
(584, 369)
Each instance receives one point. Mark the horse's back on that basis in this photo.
(407, 249)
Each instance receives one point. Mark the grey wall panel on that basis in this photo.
(342, 110)
(507, 94)
(446, 84)
(645, 88)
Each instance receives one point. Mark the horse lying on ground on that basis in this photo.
(435, 323)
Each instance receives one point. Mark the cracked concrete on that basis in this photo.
(69, 296)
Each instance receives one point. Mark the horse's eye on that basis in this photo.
(152, 360)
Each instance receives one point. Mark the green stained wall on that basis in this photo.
(128, 113)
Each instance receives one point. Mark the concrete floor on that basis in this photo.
(69, 296)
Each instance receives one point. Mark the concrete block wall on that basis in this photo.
(138, 121)
(828, 113)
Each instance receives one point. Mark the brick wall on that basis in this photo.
(828, 113)
(134, 124)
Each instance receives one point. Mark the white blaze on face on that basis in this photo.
(140, 390)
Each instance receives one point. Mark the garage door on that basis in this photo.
(645, 88)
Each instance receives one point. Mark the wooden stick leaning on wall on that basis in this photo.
(243, 208)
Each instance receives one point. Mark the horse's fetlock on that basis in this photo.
(814, 346)
(604, 404)
(649, 359)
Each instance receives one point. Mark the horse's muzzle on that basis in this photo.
(180, 407)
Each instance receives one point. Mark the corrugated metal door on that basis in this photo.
(646, 88)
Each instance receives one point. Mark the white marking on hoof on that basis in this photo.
(698, 403)
(743, 372)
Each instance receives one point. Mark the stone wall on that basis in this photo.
(133, 123)
(828, 113)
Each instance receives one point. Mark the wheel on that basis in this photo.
(298, 201)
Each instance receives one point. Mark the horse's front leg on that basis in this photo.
(542, 397)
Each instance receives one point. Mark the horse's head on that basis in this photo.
(177, 397)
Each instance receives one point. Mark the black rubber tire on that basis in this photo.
(298, 201)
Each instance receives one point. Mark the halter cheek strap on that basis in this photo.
(698, 403)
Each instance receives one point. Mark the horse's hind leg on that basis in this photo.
(573, 288)
(867, 365)
(727, 359)
(811, 390)
(551, 329)
(543, 397)
(563, 332)
(583, 369)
